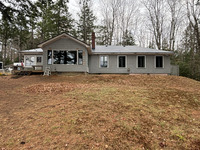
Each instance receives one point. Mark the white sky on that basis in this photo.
(74, 8)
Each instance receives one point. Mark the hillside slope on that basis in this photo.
(99, 112)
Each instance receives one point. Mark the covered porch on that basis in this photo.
(32, 62)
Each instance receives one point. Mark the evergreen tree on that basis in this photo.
(5, 33)
(189, 59)
(165, 45)
(15, 26)
(32, 23)
(15, 6)
(21, 32)
(55, 19)
(63, 19)
(86, 21)
(46, 27)
(102, 36)
(128, 39)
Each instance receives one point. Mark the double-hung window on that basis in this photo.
(80, 57)
(39, 59)
(104, 61)
(159, 62)
(49, 57)
(122, 61)
(141, 61)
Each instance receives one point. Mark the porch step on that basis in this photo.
(47, 71)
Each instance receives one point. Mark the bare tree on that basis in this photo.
(127, 17)
(175, 8)
(118, 17)
(155, 10)
(193, 13)
(109, 12)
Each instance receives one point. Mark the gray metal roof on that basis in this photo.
(36, 50)
(114, 50)
(128, 50)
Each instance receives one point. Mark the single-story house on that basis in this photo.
(65, 53)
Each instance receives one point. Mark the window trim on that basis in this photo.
(100, 61)
(78, 57)
(118, 61)
(145, 62)
(162, 60)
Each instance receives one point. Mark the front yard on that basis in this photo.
(99, 112)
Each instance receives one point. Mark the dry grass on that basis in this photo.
(99, 112)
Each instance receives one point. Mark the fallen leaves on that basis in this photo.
(53, 88)
(99, 112)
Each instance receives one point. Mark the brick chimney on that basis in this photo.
(93, 41)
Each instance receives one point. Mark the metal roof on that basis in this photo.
(36, 50)
(114, 50)
(128, 50)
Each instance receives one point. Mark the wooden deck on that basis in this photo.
(19, 70)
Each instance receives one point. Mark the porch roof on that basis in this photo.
(32, 51)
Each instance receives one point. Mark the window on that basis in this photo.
(104, 61)
(64, 57)
(71, 57)
(39, 59)
(29, 60)
(159, 61)
(121, 61)
(80, 57)
(49, 57)
(59, 57)
(141, 61)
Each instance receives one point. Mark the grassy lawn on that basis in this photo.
(99, 112)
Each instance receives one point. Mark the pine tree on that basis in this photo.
(189, 59)
(46, 27)
(6, 34)
(102, 35)
(21, 32)
(86, 21)
(32, 22)
(15, 30)
(62, 17)
(128, 39)
(15, 6)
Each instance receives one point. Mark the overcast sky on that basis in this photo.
(74, 8)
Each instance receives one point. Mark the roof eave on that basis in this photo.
(131, 53)
(31, 53)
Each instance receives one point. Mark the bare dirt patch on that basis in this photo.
(99, 112)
